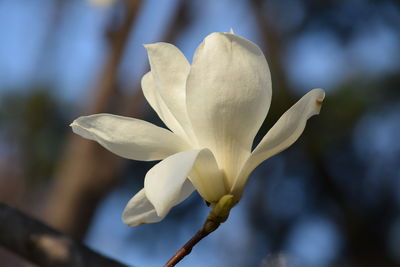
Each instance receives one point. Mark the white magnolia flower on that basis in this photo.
(214, 109)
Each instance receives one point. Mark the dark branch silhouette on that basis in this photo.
(42, 245)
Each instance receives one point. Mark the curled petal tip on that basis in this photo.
(320, 96)
(320, 92)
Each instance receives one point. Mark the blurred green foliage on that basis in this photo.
(33, 127)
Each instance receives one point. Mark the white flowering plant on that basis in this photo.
(213, 109)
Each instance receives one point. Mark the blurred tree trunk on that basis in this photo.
(87, 171)
(274, 41)
(281, 95)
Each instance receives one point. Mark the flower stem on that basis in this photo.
(218, 214)
(208, 227)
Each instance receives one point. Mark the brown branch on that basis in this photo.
(42, 245)
(187, 248)
(118, 41)
(208, 227)
(219, 213)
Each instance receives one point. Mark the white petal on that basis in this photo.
(228, 97)
(139, 210)
(152, 95)
(128, 137)
(170, 68)
(207, 178)
(163, 183)
(283, 134)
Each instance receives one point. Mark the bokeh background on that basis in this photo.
(332, 199)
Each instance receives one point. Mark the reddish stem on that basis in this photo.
(208, 227)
